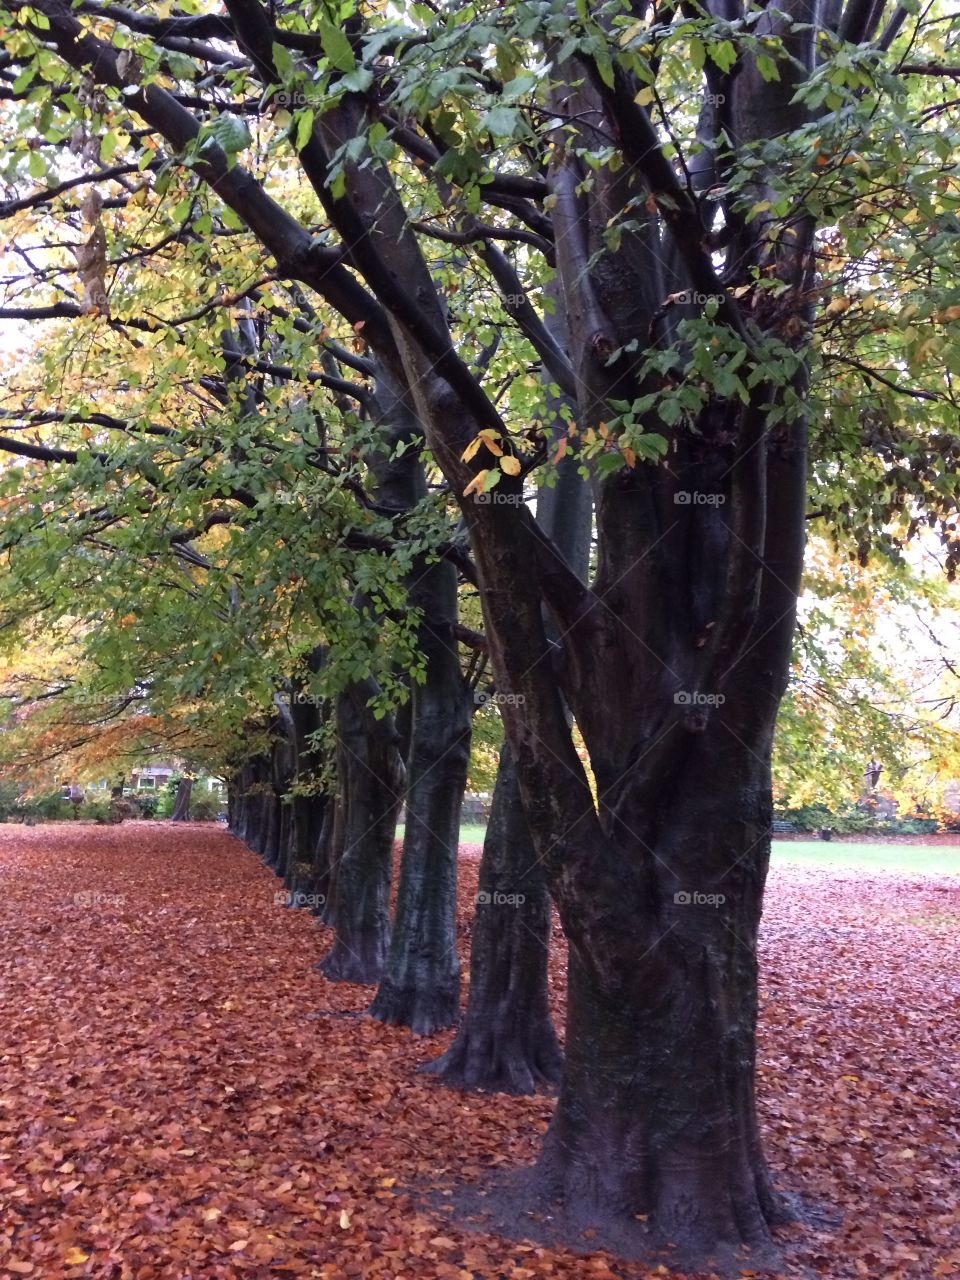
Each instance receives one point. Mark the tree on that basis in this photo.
(181, 803)
(668, 170)
(872, 692)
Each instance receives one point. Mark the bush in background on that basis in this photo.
(146, 803)
(205, 807)
(854, 820)
(48, 807)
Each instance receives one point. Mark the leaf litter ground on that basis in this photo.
(181, 1095)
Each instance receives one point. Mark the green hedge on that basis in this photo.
(851, 820)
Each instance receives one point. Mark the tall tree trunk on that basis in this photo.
(420, 987)
(256, 825)
(181, 805)
(285, 850)
(309, 803)
(370, 776)
(270, 851)
(656, 1111)
(326, 859)
(506, 1040)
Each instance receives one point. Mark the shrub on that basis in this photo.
(167, 798)
(916, 826)
(9, 791)
(120, 808)
(855, 819)
(205, 807)
(43, 808)
(98, 808)
(146, 803)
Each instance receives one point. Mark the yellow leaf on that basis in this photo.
(476, 484)
(645, 96)
(471, 449)
(510, 465)
(837, 307)
(490, 440)
(73, 1257)
(344, 1219)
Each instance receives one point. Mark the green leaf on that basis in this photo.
(767, 67)
(723, 53)
(500, 122)
(229, 132)
(108, 146)
(336, 46)
(358, 81)
(283, 61)
(304, 128)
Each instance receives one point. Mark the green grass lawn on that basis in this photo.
(905, 859)
(472, 834)
(917, 859)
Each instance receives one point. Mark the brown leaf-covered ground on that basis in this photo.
(182, 1096)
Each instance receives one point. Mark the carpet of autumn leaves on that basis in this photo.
(183, 1095)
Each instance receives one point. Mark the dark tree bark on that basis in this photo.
(326, 858)
(309, 802)
(181, 805)
(506, 1041)
(369, 771)
(656, 1113)
(270, 847)
(255, 826)
(420, 987)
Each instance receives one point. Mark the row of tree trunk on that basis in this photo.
(327, 826)
(331, 843)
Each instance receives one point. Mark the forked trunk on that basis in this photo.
(656, 1121)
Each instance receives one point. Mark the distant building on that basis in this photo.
(151, 777)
